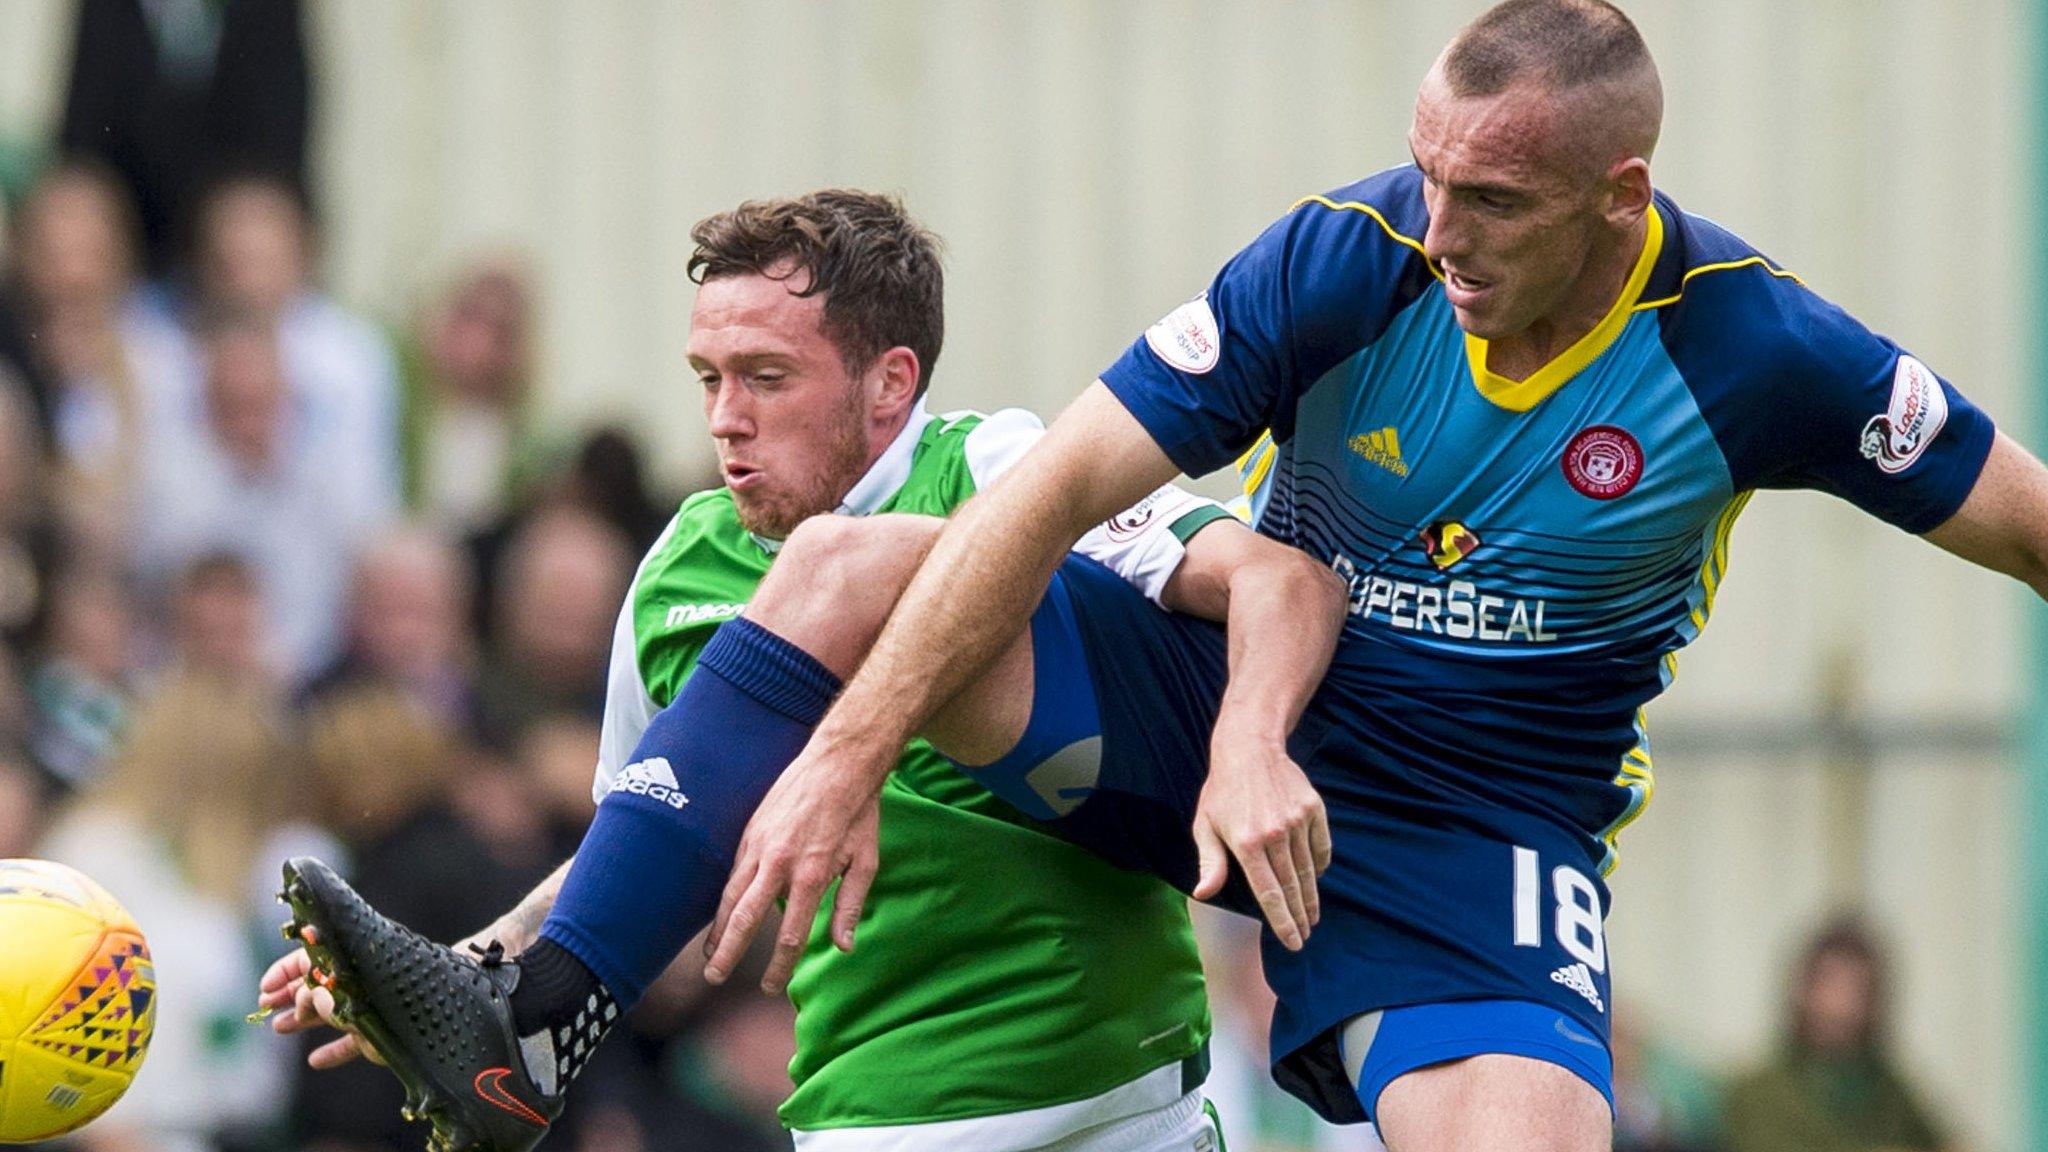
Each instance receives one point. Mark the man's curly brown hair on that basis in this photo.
(877, 268)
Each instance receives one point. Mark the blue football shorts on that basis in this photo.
(1469, 927)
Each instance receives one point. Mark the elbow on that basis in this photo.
(1323, 593)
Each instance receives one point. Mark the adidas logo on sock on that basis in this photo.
(1579, 979)
(654, 779)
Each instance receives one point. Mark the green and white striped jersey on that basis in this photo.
(1005, 982)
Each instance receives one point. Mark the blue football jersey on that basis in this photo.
(1524, 557)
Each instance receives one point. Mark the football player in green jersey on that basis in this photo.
(1010, 991)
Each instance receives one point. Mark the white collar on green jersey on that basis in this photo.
(883, 478)
(890, 470)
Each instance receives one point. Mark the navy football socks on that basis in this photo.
(651, 868)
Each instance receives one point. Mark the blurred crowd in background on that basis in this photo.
(280, 576)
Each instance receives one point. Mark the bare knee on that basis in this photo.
(837, 578)
(1498, 1102)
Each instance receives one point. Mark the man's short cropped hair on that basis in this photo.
(1564, 43)
(877, 268)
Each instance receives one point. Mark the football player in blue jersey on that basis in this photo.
(1517, 397)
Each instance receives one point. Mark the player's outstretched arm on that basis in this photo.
(294, 1003)
(2003, 523)
(977, 588)
(969, 601)
(1283, 611)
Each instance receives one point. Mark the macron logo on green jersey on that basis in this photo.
(681, 614)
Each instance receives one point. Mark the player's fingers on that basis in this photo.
(1305, 878)
(1212, 860)
(1272, 902)
(748, 913)
(270, 999)
(303, 1010)
(744, 870)
(334, 1053)
(799, 912)
(323, 1003)
(853, 892)
(1281, 857)
(283, 973)
(299, 1012)
(1319, 837)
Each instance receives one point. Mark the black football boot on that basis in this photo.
(440, 1020)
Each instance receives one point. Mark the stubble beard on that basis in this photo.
(835, 469)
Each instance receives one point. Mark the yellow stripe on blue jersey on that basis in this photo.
(1369, 210)
(1639, 776)
(1723, 266)
(1715, 569)
(1257, 461)
(1254, 472)
(1636, 771)
(1524, 394)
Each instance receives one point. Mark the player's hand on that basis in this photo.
(814, 825)
(1259, 807)
(299, 1004)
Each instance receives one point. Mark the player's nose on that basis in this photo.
(1446, 238)
(726, 410)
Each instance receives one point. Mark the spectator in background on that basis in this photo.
(556, 752)
(605, 479)
(1834, 1086)
(266, 484)
(1662, 1103)
(609, 479)
(253, 257)
(77, 280)
(564, 575)
(467, 381)
(168, 92)
(83, 686)
(408, 620)
(182, 820)
(217, 620)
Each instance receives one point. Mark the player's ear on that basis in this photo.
(1628, 191)
(894, 380)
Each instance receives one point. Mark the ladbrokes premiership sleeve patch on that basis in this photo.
(1895, 438)
(1187, 338)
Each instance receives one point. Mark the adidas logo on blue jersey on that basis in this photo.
(1382, 448)
(1579, 978)
(652, 778)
